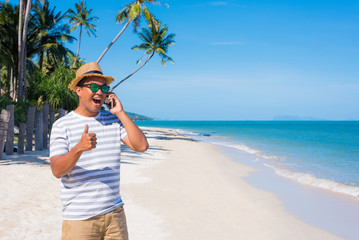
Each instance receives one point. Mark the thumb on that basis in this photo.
(86, 128)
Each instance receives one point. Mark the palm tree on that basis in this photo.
(154, 41)
(70, 62)
(8, 44)
(132, 12)
(19, 38)
(81, 18)
(47, 34)
(22, 43)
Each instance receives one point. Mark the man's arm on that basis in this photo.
(63, 164)
(135, 139)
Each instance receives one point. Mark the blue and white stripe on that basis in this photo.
(93, 186)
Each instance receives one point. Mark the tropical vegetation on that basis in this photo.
(36, 64)
(81, 18)
(154, 40)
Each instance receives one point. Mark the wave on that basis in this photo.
(192, 134)
(309, 179)
(217, 141)
(303, 178)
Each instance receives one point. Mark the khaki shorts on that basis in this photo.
(109, 226)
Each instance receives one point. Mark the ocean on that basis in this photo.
(323, 154)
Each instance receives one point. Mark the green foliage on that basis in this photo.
(47, 35)
(52, 88)
(134, 11)
(138, 117)
(20, 108)
(81, 17)
(4, 101)
(21, 111)
(154, 40)
(9, 16)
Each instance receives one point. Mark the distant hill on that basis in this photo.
(294, 118)
(138, 117)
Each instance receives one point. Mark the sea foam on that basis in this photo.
(272, 162)
(309, 179)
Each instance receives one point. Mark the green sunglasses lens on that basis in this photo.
(94, 87)
(104, 88)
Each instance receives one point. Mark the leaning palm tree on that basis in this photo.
(154, 41)
(132, 13)
(81, 18)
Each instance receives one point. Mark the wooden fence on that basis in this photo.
(34, 135)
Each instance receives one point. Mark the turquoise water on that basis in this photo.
(320, 153)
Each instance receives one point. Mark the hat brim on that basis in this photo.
(73, 84)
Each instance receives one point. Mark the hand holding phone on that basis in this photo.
(113, 103)
(109, 103)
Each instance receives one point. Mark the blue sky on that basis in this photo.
(237, 60)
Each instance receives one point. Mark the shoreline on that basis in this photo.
(178, 189)
(317, 206)
(280, 165)
(212, 200)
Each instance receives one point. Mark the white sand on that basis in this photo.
(178, 189)
(29, 207)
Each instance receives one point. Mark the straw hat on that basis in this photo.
(91, 69)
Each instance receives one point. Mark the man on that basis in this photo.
(85, 148)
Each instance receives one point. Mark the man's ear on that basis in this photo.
(78, 90)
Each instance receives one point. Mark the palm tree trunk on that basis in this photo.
(25, 75)
(41, 60)
(8, 79)
(0, 76)
(133, 71)
(12, 84)
(19, 39)
(78, 48)
(113, 41)
(23, 54)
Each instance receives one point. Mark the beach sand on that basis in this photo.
(178, 189)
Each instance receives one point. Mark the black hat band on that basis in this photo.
(94, 71)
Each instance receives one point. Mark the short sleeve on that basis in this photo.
(123, 131)
(58, 141)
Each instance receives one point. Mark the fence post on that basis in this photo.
(52, 120)
(9, 147)
(30, 127)
(61, 112)
(45, 125)
(4, 120)
(39, 128)
(21, 141)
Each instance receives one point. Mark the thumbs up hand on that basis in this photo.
(88, 140)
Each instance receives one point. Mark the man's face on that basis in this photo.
(89, 101)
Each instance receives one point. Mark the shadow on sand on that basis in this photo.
(33, 158)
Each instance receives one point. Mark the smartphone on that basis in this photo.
(109, 102)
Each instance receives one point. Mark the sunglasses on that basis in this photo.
(95, 87)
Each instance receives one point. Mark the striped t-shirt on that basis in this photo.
(93, 186)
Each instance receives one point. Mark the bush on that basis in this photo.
(53, 89)
(20, 108)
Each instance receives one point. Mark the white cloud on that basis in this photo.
(228, 43)
(218, 3)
